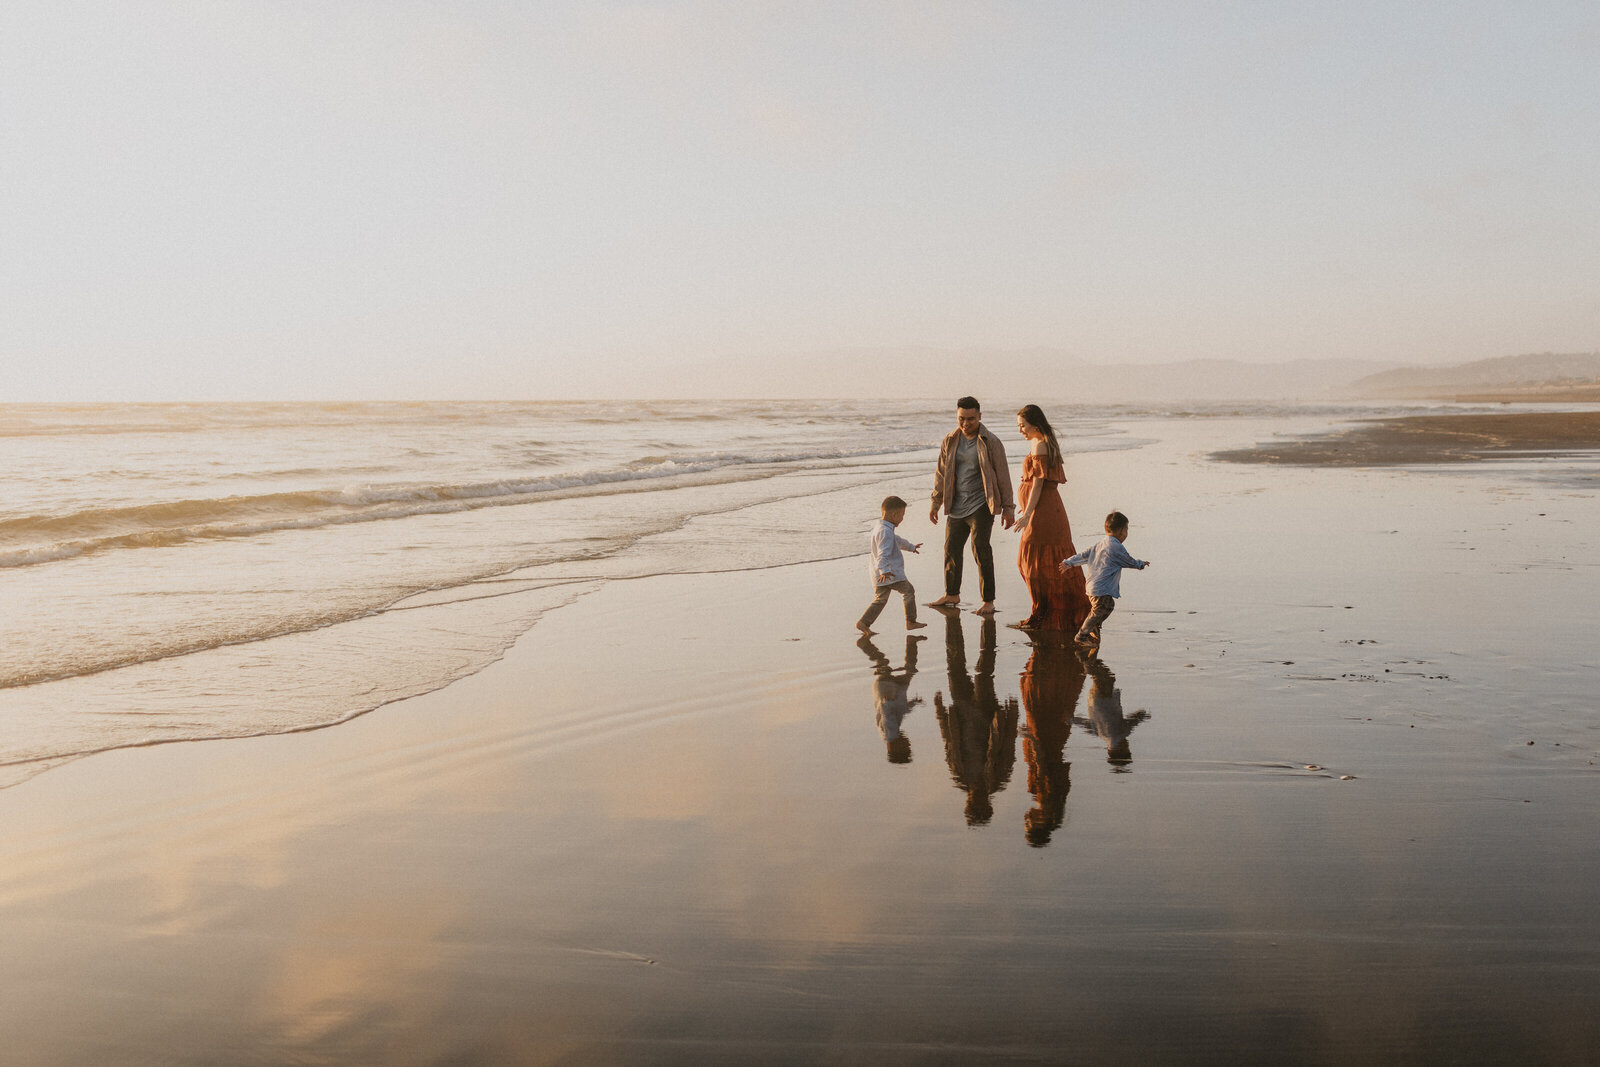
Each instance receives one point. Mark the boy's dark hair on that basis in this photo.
(970, 403)
(892, 503)
(1116, 521)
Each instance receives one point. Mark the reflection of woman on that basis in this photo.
(1060, 601)
(1051, 685)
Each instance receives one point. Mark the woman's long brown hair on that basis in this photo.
(1031, 415)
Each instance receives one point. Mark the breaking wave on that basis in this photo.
(45, 538)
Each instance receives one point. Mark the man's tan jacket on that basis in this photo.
(991, 464)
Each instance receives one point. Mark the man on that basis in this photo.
(973, 485)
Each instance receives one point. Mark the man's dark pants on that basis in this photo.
(956, 531)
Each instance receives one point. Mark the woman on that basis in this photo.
(1060, 601)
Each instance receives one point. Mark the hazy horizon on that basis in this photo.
(504, 201)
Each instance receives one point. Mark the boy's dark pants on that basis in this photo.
(1101, 608)
(978, 526)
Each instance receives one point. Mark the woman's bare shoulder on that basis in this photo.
(1039, 448)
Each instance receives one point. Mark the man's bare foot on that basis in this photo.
(945, 601)
(863, 628)
(986, 608)
(915, 625)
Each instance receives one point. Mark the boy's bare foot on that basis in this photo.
(986, 608)
(915, 625)
(863, 628)
(945, 601)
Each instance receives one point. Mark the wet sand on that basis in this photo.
(1422, 439)
(1575, 394)
(1327, 795)
(1568, 393)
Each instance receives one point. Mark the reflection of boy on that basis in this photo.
(1105, 713)
(1102, 564)
(889, 567)
(889, 689)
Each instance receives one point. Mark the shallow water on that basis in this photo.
(177, 572)
(172, 572)
(1291, 813)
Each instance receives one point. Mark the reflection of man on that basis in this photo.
(889, 688)
(980, 733)
(1051, 684)
(1105, 713)
(973, 484)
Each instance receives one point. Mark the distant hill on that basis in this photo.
(1007, 376)
(1221, 379)
(1528, 377)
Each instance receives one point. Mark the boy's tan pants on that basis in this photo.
(875, 609)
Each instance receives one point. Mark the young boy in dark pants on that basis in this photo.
(1102, 565)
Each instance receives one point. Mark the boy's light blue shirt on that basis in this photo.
(886, 557)
(1102, 565)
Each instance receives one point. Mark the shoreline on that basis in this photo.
(1426, 439)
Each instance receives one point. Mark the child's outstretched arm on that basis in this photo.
(1076, 561)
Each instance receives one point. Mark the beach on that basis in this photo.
(1326, 793)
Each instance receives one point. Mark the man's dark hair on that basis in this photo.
(1116, 521)
(970, 403)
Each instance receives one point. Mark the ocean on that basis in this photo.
(172, 572)
(175, 572)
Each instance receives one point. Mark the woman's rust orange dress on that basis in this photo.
(1060, 601)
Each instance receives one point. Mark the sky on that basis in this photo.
(497, 200)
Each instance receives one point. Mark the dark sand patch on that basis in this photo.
(1432, 439)
(1576, 392)
(1583, 394)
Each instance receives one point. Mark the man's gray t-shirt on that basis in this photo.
(969, 496)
